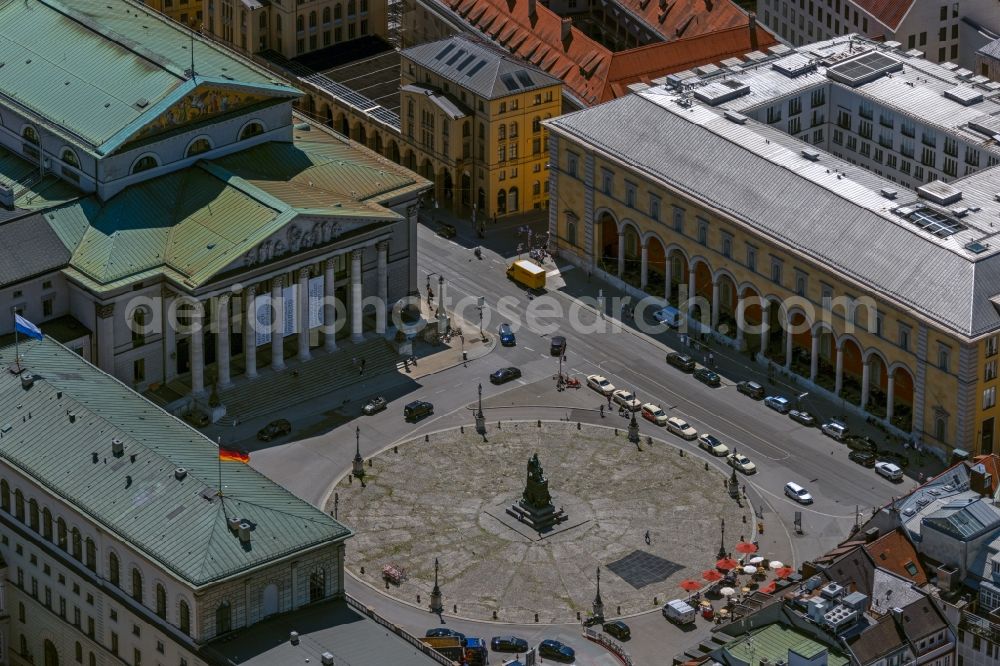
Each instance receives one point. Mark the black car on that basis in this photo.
(274, 429)
(508, 644)
(618, 629)
(443, 632)
(558, 346)
(417, 410)
(805, 418)
(707, 377)
(863, 458)
(752, 389)
(504, 375)
(681, 361)
(556, 650)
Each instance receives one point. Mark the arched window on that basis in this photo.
(30, 135)
(312, 19)
(161, 601)
(113, 569)
(184, 617)
(223, 618)
(91, 659)
(251, 129)
(536, 124)
(136, 584)
(198, 146)
(61, 533)
(77, 544)
(91, 554)
(5, 495)
(19, 505)
(263, 21)
(338, 12)
(501, 202)
(512, 200)
(78, 650)
(145, 163)
(317, 585)
(51, 654)
(47, 524)
(33, 514)
(351, 8)
(300, 23)
(326, 15)
(70, 158)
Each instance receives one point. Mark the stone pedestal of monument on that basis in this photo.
(535, 508)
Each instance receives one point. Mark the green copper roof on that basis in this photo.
(181, 524)
(32, 194)
(773, 643)
(91, 68)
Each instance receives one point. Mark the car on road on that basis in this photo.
(418, 409)
(834, 429)
(712, 444)
(508, 644)
(669, 315)
(654, 413)
(443, 632)
(504, 375)
(626, 399)
(863, 458)
(680, 427)
(447, 230)
(798, 493)
(557, 347)
(507, 338)
(741, 463)
(681, 361)
(803, 417)
(274, 429)
(752, 389)
(555, 650)
(600, 384)
(778, 403)
(889, 470)
(708, 377)
(618, 629)
(375, 405)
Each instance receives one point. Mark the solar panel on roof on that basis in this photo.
(863, 69)
(523, 77)
(466, 62)
(458, 54)
(478, 66)
(444, 51)
(509, 82)
(932, 221)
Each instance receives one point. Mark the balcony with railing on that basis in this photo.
(980, 626)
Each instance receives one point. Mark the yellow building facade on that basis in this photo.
(471, 120)
(186, 12)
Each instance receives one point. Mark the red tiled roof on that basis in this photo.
(888, 12)
(687, 18)
(591, 71)
(894, 552)
(649, 62)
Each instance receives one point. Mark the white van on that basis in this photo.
(679, 612)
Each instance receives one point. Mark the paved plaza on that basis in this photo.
(445, 498)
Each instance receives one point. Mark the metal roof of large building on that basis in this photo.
(821, 206)
(89, 69)
(56, 429)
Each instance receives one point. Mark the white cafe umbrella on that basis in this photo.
(727, 591)
(749, 570)
(775, 565)
(756, 560)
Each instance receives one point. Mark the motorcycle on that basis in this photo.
(478, 252)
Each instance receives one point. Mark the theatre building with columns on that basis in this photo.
(166, 214)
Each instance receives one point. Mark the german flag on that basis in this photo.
(233, 455)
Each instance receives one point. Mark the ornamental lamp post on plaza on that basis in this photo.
(598, 603)
(480, 417)
(359, 462)
(436, 602)
(633, 426)
(722, 544)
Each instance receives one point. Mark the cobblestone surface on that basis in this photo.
(438, 499)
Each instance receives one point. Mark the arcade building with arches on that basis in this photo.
(791, 192)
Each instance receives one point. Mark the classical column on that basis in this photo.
(644, 270)
(865, 377)
(690, 289)
(839, 374)
(383, 287)
(329, 307)
(621, 254)
(277, 323)
(250, 332)
(814, 358)
(890, 396)
(106, 337)
(357, 332)
(789, 339)
(303, 314)
(222, 340)
(765, 325)
(169, 339)
(197, 345)
(740, 321)
(715, 305)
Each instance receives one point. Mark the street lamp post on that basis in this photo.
(336, 506)
(633, 426)
(722, 543)
(436, 605)
(481, 304)
(359, 462)
(598, 603)
(480, 417)
(440, 309)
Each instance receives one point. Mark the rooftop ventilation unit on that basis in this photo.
(117, 447)
(987, 125)
(889, 193)
(856, 601)
(737, 118)
(27, 380)
(840, 617)
(832, 591)
(707, 70)
(638, 86)
(732, 62)
(779, 49)
(677, 78)
(914, 53)
(863, 69)
(180, 473)
(950, 66)
(722, 91)
(794, 65)
(327, 659)
(940, 192)
(816, 609)
(293, 638)
(234, 524)
(963, 73)
(964, 95)
(891, 45)
(810, 154)
(960, 211)
(756, 56)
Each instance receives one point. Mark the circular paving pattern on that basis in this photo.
(447, 499)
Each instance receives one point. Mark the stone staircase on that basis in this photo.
(273, 392)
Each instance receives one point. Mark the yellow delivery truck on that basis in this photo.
(527, 273)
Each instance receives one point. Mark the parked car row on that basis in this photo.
(548, 648)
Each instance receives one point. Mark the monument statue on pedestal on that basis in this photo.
(536, 490)
(535, 506)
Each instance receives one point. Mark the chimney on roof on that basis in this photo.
(531, 9)
(753, 32)
(663, 4)
(567, 24)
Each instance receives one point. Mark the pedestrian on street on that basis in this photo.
(354, 361)
(649, 539)
(711, 360)
(602, 411)
(609, 402)
(362, 367)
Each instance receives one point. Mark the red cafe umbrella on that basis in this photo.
(769, 588)
(784, 572)
(690, 585)
(745, 547)
(726, 564)
(711, 575)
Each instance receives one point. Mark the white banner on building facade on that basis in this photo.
(316, 301)
(262, 309)
(290, 318)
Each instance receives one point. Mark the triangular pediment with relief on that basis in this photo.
(299, 235)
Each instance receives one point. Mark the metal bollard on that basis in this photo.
(536, 617)
(539, 423)
(427, 438)
(362, 571)
(578, 425)
(461, 429)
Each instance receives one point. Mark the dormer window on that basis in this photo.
(995, 563)
(145, 163)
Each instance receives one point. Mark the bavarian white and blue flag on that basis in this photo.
(26, 328)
